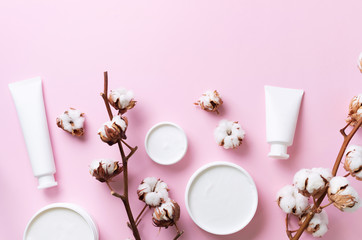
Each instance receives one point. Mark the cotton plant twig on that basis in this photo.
(124, 197)
(347, 139)
(179, 233)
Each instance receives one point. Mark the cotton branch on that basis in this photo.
(124, 196)
(347, 139)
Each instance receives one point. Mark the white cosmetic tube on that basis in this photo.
(282, 109)
(28, 99)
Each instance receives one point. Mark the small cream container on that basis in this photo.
(221, 198)
(61, 221)
(166, 143)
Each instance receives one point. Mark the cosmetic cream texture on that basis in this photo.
(166, 143)
(221, 199)
(282, 110)
(28, 99)
(63, 223)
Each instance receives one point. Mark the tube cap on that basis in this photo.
(46, 181)
(278, 151)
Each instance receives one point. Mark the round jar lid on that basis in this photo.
(61, 221)
(221, 198)
(166, 143)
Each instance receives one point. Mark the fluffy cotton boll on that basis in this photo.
(122, 99)
(318, 226)
(210, 101)
(310, 182)
(291, 201)
(104, 169)
(152, 191)
(151, 181)
(153, 199)
(324, 173)
(355, 110)
(72, 121)
(167, 214)
(113, 131)
(121, 122)
(343, 196)
(353, 161)
(229, 134)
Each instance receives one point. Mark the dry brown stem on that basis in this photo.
(347, 139)
(179, 233)
(124, 196)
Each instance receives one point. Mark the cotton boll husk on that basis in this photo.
(352, 192)
(355, 110)
(107, 164)
(343, 195)
(102, 129)
(120, 122)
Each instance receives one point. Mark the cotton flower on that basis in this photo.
(353, 162)
(210, 101)
(72, 121)
(229, 134)
(167, 214)
(121, 99)
(152, 191)
(359, 62)
(291, 201)
(312, 182)
(104, 169)
(355, 110)
(318, 226)
(343, 196)
(113, 131)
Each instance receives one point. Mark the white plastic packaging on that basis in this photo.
(282, 110)
(61, 221)
(28, 99)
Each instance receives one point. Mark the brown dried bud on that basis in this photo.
(167, 214)
(122, 100)
(343, 196)
(72, 121)
(104, 169)
(355, 110)
(210, 101)
(113, 131)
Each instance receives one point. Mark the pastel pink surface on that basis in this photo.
(168, 53)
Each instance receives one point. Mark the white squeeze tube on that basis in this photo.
(28, 99)
(282, 109)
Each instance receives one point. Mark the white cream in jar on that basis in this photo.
(166, 143)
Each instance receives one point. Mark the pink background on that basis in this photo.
(168, 53)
